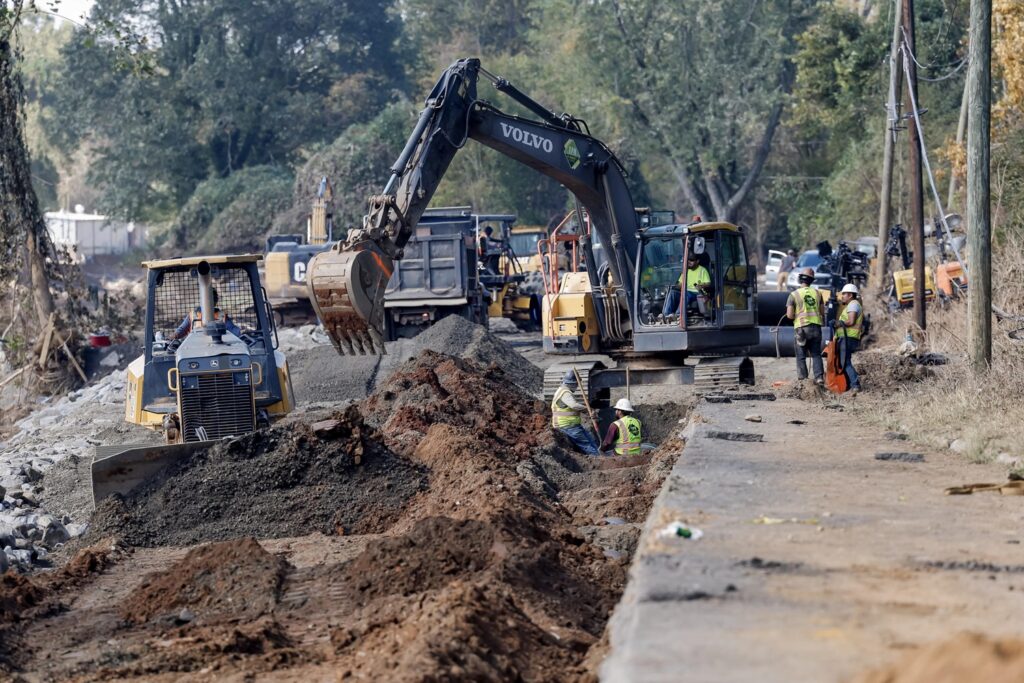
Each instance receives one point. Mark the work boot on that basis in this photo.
(819, 381)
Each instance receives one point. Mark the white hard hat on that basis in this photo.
(850, 289)
(624, 405)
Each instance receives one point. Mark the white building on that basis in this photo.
(88, 234)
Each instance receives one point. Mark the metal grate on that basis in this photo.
(216, 405)
(177, 294)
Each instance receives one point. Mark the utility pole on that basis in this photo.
(961, 131)
(979, 217)
(916, 193)
(892, 111)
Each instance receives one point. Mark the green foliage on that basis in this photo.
(357, 163)
(226, 84)
(839, 73)
(232, 213)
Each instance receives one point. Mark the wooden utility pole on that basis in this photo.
(916, 193)
(979, 217)
(893, 113)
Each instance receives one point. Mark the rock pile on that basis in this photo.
(66, 429)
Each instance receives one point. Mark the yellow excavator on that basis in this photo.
(618, 314)
(210, 367)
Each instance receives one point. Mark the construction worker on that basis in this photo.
(625, 434)
(197, 315)
(806, 309)
(849, 327)
(565, 416)
(697, 279)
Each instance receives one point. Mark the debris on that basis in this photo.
(1010, 488)
(778, 520)
(680, 530)
(796, 422)
(752, 418)
(900, 456)
(734, 436)
(958, 445)
(895, 436)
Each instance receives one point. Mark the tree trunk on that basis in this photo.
(21, 222)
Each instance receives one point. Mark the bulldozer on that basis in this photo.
(210, 368)
(347, 282)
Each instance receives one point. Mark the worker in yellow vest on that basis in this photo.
(625, 434)
(697, 280)
(806, 309)
(849, 328)
(566, 414)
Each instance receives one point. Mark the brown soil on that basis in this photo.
(235, 578)
(886, 370)
(501, 557)
(968, 657)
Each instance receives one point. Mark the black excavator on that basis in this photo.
(616, 299)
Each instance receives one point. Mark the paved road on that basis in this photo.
(877, 560)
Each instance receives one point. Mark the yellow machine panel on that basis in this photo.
(904, 285)
(571, 313)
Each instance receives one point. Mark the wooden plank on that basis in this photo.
(13, 376)
(71, 357)
(44, 352)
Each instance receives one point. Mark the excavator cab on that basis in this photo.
(694, 289)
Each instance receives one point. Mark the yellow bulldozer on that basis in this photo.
(210, 368)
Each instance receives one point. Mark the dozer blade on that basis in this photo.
(347, 291)
(119, 469)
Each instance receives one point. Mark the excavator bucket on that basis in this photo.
(119, 469)
(346, 285)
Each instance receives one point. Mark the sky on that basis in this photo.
(73, 9)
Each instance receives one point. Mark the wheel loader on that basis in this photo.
(347, 282)
(210, 368)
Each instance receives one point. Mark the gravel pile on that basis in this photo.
(42, 458)
(458, 337)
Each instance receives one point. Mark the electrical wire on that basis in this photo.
(956, 67)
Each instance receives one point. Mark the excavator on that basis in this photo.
(613, 298)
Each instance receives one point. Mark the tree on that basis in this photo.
(233, 84)
(24, 238)
(706, 81)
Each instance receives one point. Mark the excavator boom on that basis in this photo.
(347, 283)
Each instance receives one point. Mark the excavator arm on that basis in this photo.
(347, 283)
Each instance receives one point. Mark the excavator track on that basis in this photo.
(713, 375)
(346, 289)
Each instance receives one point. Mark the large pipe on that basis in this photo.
(205, 291)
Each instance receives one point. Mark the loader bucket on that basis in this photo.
(119, 469)
(347, 290)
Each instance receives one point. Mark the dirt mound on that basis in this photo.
(435, 551)
(17, 594)
(437, 389)
(456, 336)
(235, 579)
(887, 370)
(280, 482)
(968, 657)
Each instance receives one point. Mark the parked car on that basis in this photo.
(809, 259)
(771, 270)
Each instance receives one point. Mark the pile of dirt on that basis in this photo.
(458, 337)
(433, 389)
(887, 370)
(281, 482)
(234, 579)
(320, 375)
(968, 657)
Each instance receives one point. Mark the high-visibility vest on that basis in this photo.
(808, 304)
(852, 331)
(561, 415)
(694, 277)
(628, 439)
